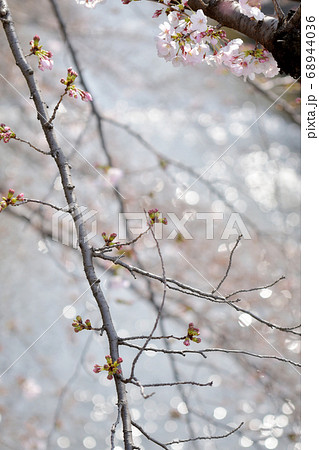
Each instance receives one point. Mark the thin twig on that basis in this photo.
(203, 352)
(188, 290)
(57, 107)
(159, 310)
(41, 202)
(32, 146)
(199, 438)
(174, 383)
(148, 436)
(101, 250)
(229, 263)
(95, 111)
(132, 338)
(115, 424)
(259, 288)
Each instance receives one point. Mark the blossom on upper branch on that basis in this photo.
(111, 367)
(5, 133)
(251, 8)
(187, 39)
(198, 21)
(72, 90)
(10, 199)
(44, 57)
(247, 63)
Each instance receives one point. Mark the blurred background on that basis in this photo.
(185, 140)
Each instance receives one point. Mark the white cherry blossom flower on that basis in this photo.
(198, 21)
(250, 11)
(173, 18)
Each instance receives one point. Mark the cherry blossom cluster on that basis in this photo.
(72, 90)
(79, 325)
(251, 8)
(247, 63)
(192, 332)
(10, 199)
(111, 367)
(154, 216)
(186, 38)
(6, 133)
(44, 57)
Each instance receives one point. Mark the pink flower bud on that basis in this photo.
(10, 193)
(97, 368)
(157, 13)
(87, 97)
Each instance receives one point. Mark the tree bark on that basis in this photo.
(69, 192)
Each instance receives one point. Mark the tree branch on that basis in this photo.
(68, 188)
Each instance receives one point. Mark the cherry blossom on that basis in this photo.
(250, 62)
(44, 57)
(198, 21)
(6, 133)
(72, 90)
(228, 52)
(187, 39)
(174, 18)
(111, 367)
(11, 200)
(248, 8)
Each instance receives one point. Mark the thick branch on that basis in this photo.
(66, 179)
